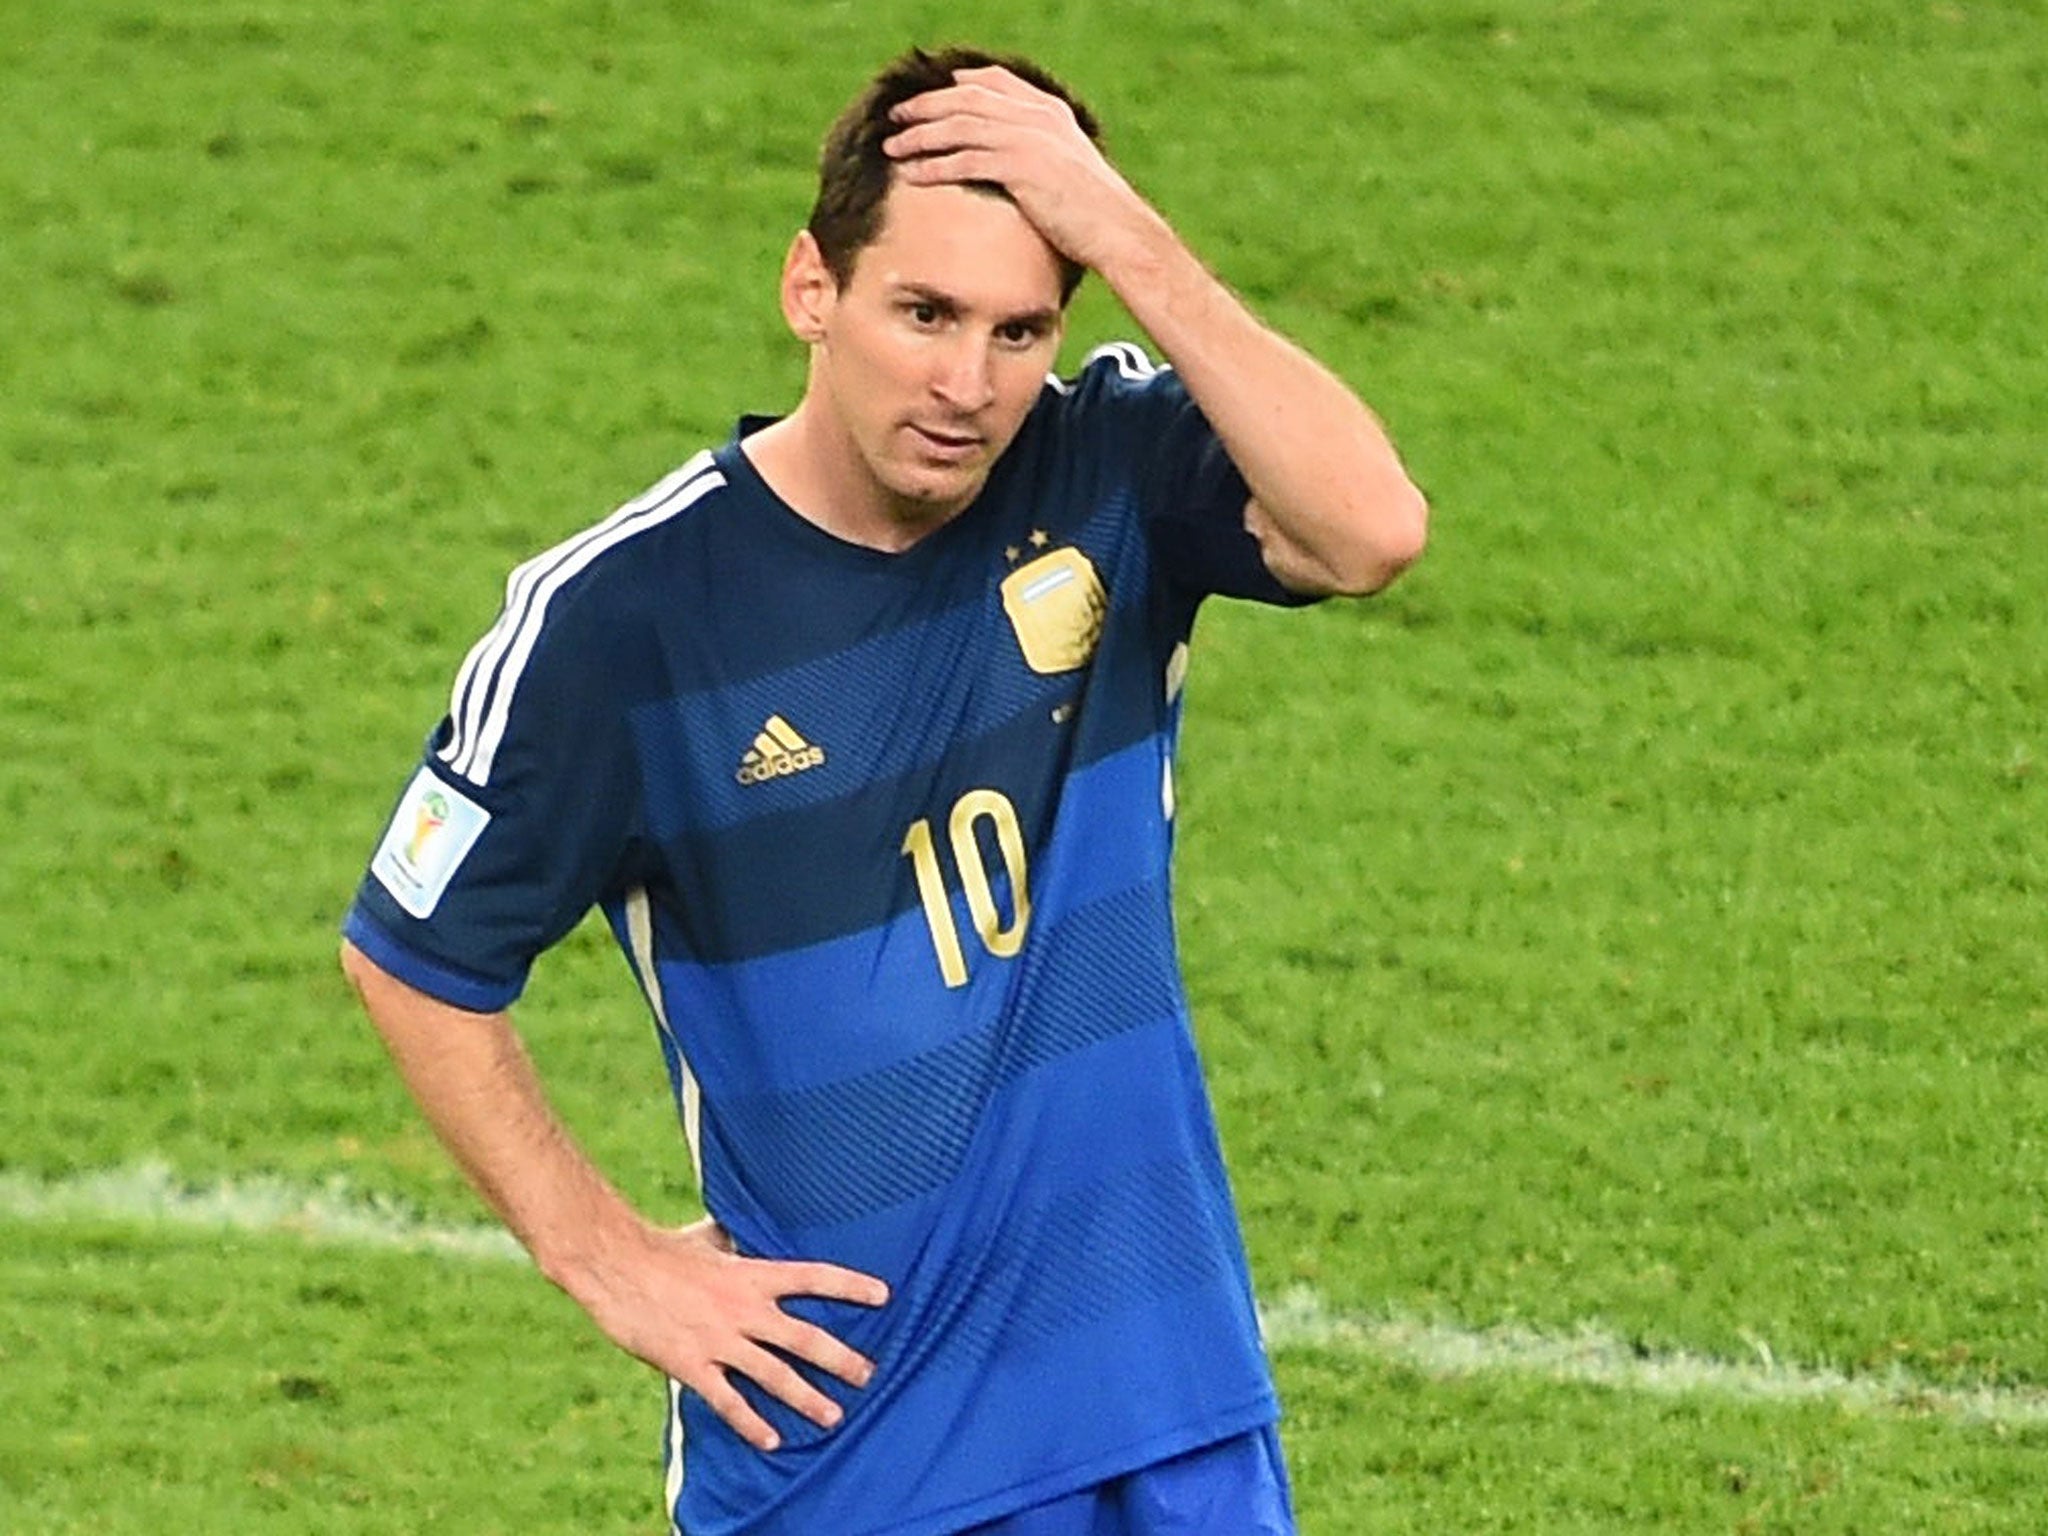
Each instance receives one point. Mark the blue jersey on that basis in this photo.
(886, 838)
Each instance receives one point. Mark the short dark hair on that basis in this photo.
(854, 175)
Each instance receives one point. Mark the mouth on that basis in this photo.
(949, 447)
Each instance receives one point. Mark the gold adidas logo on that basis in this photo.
(777, 752)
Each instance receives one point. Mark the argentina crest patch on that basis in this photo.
(1056, 605)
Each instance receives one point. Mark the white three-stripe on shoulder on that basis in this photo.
(481, 705)
(1130, 359)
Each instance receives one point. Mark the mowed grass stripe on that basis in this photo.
(150, 1194)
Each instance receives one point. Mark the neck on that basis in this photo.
(819, 473)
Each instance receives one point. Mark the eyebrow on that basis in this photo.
(1042, 318)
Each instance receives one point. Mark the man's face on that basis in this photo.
(928, 358)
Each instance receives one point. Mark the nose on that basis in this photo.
(965, 380)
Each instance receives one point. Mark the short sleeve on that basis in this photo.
(519, 817)
(1191, 496)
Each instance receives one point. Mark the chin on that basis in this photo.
(921, 495)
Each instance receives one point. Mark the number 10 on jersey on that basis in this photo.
(963, 834)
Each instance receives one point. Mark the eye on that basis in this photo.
(1020, 334)
(922, 313)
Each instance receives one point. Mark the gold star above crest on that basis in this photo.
(1039, 538)
(1013, 554)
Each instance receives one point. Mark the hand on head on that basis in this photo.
(990, 126)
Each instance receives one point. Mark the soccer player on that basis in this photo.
(859, 729)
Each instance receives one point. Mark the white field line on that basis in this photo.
(149, 1194)
(1591, 1356)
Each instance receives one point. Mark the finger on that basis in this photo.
(814, 1346)
(830, 1282)
(781, 1380)
(725, 1400)
(942, 170)
(928, 140)
(994, 77)
(988, 99)
(941, 135)
(944, 101)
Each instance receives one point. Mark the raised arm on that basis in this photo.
(1332, 508)
(678, 1298)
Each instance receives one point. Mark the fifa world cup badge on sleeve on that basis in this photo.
(428, 839)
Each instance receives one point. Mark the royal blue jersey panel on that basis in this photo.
(889, 837)
(716, 1003)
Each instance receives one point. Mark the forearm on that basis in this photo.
(477, 1089)
(678, 1299)
(1343, 515)
(1331, 506)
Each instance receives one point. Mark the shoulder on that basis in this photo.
(1116, 373)
(611, 559)
(612, 550)
(571, 614)
(1117, 407)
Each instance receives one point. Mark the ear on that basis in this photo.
(808, 289)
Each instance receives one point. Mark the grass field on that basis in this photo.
(1622, 943)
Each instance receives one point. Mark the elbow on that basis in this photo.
(1407, 523)
(1391, 531)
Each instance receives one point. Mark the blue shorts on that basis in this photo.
(1236, 1487)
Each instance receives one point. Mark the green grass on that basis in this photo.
(355, 1392)
(1434, 1458)
(1632, 919)
(364, 1392)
